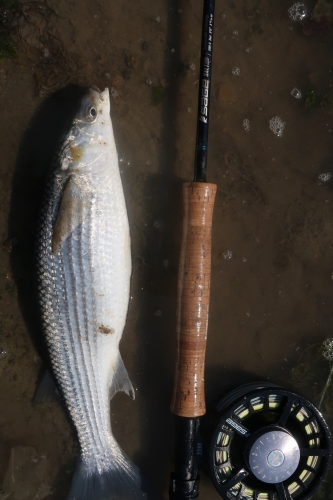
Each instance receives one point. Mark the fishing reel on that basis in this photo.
(267, 443)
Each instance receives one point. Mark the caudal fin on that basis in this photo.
(121, 480)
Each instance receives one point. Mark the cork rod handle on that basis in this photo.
(188, 399)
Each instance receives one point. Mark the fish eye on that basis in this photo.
(91, 113)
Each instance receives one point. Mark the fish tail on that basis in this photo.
(119, 480)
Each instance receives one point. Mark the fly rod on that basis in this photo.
(188, 399)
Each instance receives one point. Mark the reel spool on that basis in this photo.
(268, 443)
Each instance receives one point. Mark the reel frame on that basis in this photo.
(265, 407)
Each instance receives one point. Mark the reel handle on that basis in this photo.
(188, 399)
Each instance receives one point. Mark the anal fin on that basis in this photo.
(121, 380)
(46, 391)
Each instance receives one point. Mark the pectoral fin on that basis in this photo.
(121, 381)
(72, 211)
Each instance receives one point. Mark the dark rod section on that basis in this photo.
(204, 91)
(184, 482)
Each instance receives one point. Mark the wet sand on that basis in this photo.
(271, 302)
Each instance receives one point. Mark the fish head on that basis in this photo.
(94, 107)
(90, 138)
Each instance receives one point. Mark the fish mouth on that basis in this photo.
(103, 94)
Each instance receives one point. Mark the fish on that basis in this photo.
(83, 269)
